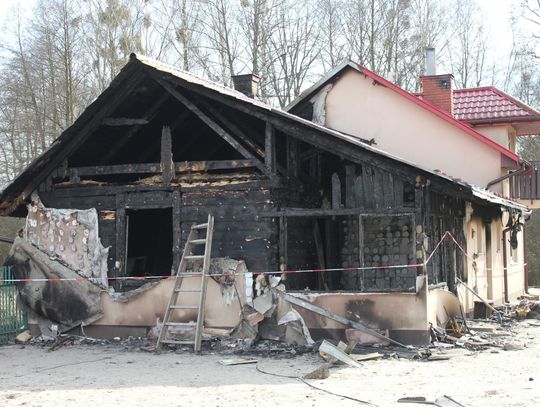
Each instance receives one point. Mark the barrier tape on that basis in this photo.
(255, 273)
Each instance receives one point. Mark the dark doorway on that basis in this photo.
(149, 242)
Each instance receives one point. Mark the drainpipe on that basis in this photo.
(525, 166)
(505, 264)
(525, 261)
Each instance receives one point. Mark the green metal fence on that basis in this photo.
(12, 319)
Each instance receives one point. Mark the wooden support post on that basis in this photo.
(167, 163)
(419, 223)
(121, 236)
(270, 149)
(283, 243)
(177, 229)
(336, 191)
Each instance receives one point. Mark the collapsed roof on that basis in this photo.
(143, 89)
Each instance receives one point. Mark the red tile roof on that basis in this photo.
(488, 103)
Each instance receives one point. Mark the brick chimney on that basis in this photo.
(437, 89)
(248, 84)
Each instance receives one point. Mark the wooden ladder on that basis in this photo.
(189, 258)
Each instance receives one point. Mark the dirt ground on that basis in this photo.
(109, 375)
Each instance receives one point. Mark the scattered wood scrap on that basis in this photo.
(327, 314)
(237, 361)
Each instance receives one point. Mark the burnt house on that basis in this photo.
(160, 149)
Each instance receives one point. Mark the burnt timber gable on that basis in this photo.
(161, 149)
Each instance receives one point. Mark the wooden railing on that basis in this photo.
(526, 185)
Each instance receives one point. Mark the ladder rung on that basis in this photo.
(200, 226)
(180, 323)
(184, 307)
(186, 290)
(194, 257)
(198, 241)
(177, 342)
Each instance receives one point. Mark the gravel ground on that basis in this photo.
(116, 375)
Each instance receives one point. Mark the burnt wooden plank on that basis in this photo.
(167, 163)
(398, 191)
(367, 177)
(212, 124)
(270, 148)
(301, 212)
(359, 191)
(350, 193)
(378, 194)
(124, 121)
(388, 189)
(336, 191)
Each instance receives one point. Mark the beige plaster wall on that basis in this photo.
(489, 284)
(356, 106)
(144, 309)
(499, 134)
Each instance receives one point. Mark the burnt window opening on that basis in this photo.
(149, 243)
(408, 194)
(356, 249)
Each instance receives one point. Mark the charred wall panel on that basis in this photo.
(239, 232)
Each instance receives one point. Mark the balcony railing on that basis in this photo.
(526, 185)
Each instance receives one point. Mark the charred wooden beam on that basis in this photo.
(299, 212)
(124, 121)
(155, 168)
(212, 124)
(167, 163)
(234, 129)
